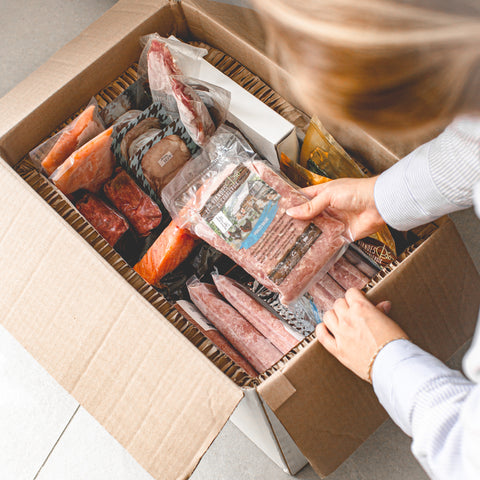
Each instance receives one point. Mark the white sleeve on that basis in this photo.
(435, 405)
(435, 179)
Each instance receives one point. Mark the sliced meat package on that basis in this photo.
(200, 105)
(237, 204)
(237, 330)
(108, 223)
(282, 336)
(141, 211)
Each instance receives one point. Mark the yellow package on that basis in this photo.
(300, 175)
(321, 154)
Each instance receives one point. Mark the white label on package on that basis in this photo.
(164, 159)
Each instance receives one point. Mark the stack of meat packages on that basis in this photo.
(82, 165)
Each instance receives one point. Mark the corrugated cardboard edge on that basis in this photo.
(104, 343)
(329, 399)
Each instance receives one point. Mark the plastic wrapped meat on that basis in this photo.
(141, 211)
(347, 275)
(325, 292)
(165, 76)
(108, 223)
(137, 131)
(170, 249)
(85, 127)
(262, 319)
(163, 160)
(89, 167)
(258, 351)
(360, 263)
(194, 316)
(241, 212)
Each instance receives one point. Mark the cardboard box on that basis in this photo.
(103, 334)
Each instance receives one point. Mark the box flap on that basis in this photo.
(328, 411)
(103, 342)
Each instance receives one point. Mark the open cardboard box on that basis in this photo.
(103, 334)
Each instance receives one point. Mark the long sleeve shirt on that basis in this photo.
(437, 406)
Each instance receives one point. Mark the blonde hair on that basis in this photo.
(382, 64)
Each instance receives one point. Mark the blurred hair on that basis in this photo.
(384, 64)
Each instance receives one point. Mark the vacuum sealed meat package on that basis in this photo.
(54, 151)
(170, 249)
(89, 167)
(108, 223)
(195, 317)
(279, 333)
(141, 211)
(200, 105)
(257, 350)
(237, 204)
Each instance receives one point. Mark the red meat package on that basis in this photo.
(238, 204)
(108, 223)
(141, 211)
(200, 105)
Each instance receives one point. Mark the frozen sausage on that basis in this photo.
(237, 330)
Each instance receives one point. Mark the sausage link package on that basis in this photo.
(235, 202)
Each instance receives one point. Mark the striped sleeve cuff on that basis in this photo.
(405, 194)
(399, 372)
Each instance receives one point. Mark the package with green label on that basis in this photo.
(235, 202)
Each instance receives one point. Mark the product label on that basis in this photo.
(242, 208)
(164, 159)
(241, 211)
(193, 315)
(295, 253)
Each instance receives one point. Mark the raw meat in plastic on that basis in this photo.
(108, 223)
(89, 167)
(237, 330)
(141, 211)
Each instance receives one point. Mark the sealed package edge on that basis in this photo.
(237, 204)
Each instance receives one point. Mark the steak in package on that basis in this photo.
(237, 204)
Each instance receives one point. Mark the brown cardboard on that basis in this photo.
(159, 396)
(435, 298)
(103, 342)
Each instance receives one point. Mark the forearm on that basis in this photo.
(430, 402)
(435, 179)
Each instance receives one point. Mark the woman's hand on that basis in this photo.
(354, 330)
(348, 199)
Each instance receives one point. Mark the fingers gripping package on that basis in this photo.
(235, 202)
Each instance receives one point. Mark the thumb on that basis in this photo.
(310, 209)
(385, 306)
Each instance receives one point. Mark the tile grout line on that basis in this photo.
(56, 443)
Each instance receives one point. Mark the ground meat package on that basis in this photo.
(235, 202)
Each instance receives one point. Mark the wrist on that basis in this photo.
(377, 352)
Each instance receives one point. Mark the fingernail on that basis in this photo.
(291, 211)
(387, 306)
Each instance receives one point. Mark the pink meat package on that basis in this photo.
(237, 203)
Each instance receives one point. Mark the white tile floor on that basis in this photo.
(44, 434)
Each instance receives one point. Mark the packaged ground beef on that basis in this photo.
(237, 203)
